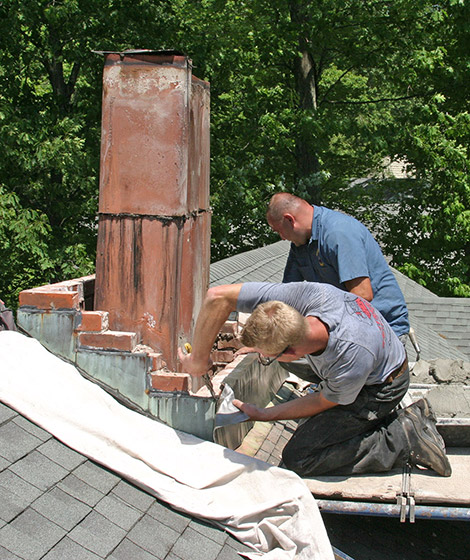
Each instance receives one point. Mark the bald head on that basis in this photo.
(282, 203)
(291, 217)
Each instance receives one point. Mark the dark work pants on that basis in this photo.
(363, 437)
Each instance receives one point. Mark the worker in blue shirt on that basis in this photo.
(333, 248)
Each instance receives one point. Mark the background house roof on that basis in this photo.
(442, 325)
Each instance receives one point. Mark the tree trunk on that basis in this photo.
(305, 74)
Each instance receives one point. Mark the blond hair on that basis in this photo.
(273, 326)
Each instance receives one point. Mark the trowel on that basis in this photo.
(227, 413)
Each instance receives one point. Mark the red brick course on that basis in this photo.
(109, 340)
(96, 321)
(222, 356)
(44, 298)
(169, 381)
(229, 327)
(232, 343)
(157, 360)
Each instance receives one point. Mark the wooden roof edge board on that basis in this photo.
(428, 487)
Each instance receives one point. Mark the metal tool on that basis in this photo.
(207, 380)
(227, 413)
(406, 498)
(414, 342)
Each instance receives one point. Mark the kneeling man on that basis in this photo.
(352, 422)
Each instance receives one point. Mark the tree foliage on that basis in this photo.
(50, 106)
(307, 97)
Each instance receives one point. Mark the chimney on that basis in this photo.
(153, 253)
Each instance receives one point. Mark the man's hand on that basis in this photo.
(189, 364)
(254, 412)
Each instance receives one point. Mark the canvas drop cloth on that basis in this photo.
(267, 508)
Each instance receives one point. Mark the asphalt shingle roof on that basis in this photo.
(442, 325)
(55, 504)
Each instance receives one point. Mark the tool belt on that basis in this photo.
(399, 371)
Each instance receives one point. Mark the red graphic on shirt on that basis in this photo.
(364, 307)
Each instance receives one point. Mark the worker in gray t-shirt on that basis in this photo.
(352, 423)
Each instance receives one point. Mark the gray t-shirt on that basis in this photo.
(362, 349)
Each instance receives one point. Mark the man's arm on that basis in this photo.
(361, 287)
(216, 308)
(310, 405)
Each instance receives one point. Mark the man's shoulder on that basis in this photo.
(328, 215)
(336, 225)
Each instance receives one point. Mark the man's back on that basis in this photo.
(341, 249)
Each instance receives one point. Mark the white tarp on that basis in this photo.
(267, 508)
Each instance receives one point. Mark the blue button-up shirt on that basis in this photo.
(341, 249)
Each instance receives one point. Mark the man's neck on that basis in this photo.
(317, 335)
(305, 222)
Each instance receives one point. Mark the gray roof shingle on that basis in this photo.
(55, 504)
(442, 325)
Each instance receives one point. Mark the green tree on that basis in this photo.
(310, 96)
(424, 222)
(305, 96)
(50, 105)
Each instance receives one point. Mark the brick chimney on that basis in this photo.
(153, 253)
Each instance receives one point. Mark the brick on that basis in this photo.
(157, 361)
(222, 356)
(169, 381)
(109, 340)
(229, 327)
(52, 299)
(230, 343)
(94, 321)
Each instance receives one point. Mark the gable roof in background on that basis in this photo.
(442, 325)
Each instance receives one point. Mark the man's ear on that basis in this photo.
(290, 218)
